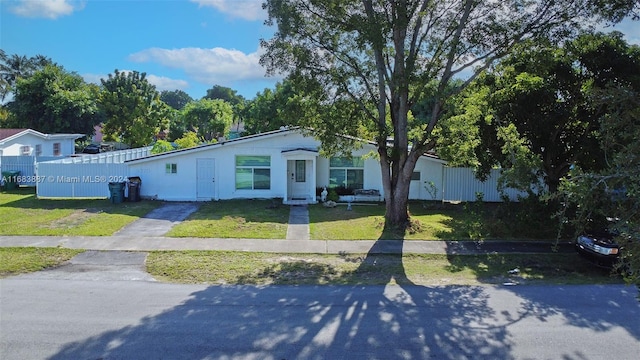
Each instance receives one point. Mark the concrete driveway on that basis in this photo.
(159, 221)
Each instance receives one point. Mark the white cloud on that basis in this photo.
(207, 66)
(50, 9)
(244, 9)
(160, 82)
(165, 83)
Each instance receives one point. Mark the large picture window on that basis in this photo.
(346, 172)
(253, 172)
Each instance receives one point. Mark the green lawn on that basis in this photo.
(21, 213)
(429, 222)
(15, 261)
(217, 267)
(248, 219)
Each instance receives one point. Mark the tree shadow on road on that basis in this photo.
(403, 321)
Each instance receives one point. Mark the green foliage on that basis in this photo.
(188, 140)
(209, 119)
(161, 146)
(218, 92)
(177, 99)
(540, 119)
(53, 100)
(14, 67)
(272, 109)
(590, 197)
(361, 69)
(133, 109)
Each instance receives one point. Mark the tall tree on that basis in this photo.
(209, 119)
(541, 94)
(53, 100)
(177, 99)
(224, 93)
(384, 55)
(271, 109)
(133, 109)
(14, 67)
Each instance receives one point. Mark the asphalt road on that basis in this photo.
(43, 318)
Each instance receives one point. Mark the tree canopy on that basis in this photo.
(209, 119)
(382, 57)
(14, 67)
(53, 100)
(133, 109)
(177, 99)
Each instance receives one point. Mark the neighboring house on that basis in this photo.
(28, 142)
(278, 164)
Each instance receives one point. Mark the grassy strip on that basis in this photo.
(248, 219)
(15, 261)
(429, 221)
(214, 267)
(21, 213)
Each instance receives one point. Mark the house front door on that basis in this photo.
(205, 179)
(298, 179)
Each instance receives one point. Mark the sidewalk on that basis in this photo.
(284, 246)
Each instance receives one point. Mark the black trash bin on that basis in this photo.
(9, 178)
(116, 191)
(134, 188)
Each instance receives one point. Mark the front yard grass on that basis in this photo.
(430, 221)
(242, 219)
(21, 213)
(15, 261)
(240, 268)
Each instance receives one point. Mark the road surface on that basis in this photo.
(49, 318)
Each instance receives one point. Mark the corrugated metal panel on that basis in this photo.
(59, 180)
(460, 184)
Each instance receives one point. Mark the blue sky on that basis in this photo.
(180, 44)
(189, 45)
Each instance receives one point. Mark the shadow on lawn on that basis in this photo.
(355, 321)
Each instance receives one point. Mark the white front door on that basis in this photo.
(299, 181)
(205, 179)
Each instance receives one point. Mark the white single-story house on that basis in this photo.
(278, 164)
(28, 142)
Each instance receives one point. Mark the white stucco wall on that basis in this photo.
(13, 146)
(182, 186)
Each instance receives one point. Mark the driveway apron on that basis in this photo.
(98, 266)
(159, 221)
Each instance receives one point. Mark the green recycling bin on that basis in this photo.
(9, 179)
(116, 192)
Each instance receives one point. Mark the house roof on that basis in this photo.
(210, 146)
(248, 138)
(5, 133)
(10, 134)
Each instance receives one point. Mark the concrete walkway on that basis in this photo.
(298, 228)
(284, 246)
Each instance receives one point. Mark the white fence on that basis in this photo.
(460, 184)
(112, 157)
(25, 165)
(67, 180)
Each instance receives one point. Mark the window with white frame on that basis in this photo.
(25, 150)
(346, 172)
(171, 168)
(57, 151)
(253, 172)
(38, 150)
